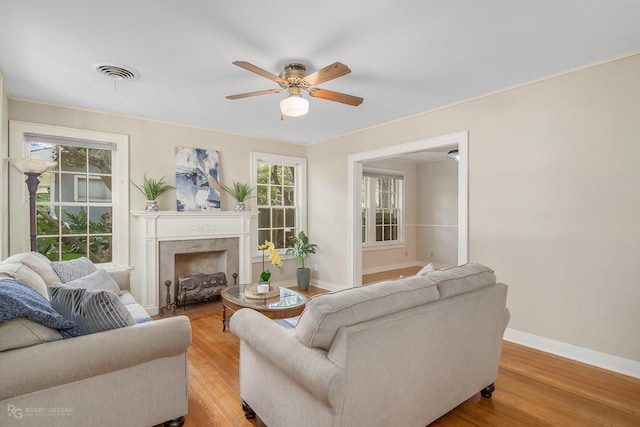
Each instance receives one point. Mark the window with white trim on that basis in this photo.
(280, 183)
(381, 207)
(81, 202)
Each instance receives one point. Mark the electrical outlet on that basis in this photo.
(315, 267)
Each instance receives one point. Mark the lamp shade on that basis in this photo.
(32, 165)
(294, 106)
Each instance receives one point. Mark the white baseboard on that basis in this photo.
(580, 354)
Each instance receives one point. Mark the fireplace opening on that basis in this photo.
(205, 266)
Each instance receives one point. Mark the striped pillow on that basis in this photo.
(92, 310)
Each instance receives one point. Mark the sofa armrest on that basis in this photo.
(47, 365)
(308, 367)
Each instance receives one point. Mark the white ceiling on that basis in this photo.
(406, 57)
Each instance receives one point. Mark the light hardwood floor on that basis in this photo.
(533, 388)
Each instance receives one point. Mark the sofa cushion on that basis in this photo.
(325, 314)
(24, 274)
(458, 280)
(99, 280)
(22, 332)
(37, 262)
(93, 310)
(426, 270)
(73, 269)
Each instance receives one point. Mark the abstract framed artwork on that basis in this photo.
(197, 179)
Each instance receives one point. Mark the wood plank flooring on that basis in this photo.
(533, 388)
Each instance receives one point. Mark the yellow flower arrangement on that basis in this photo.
(274, 256)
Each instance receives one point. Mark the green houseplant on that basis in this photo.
(240, 192)
(300, 249)
(152, 189)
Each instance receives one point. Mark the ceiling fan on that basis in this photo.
(294, 79)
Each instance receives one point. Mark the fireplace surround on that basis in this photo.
(196, 241)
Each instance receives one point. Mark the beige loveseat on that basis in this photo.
(395, 353)
(131, 376)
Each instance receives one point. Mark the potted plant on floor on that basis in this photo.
(152, 189)
(300, 249)
(241, 193)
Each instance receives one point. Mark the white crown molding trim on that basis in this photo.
(602, 360)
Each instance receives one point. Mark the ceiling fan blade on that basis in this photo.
(329, 72)
(256, 93)
(336, 96)
(259, 71)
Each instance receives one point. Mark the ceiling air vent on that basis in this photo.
(116, 72)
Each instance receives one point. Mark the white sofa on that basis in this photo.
(401, 352)
(131, 376)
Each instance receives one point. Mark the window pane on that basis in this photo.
(46, 220)
(100, 161)
(290, 218)
(276, 196)
(74, 247)
(278, 218)
(264, 219)
(278, 238)
(100, 220)
(289, 175)
(100, 248)
(289, 196)
(73, 159)
(289, 235)
(276, 175)
(74, 220)
(48, 246)
(262, 173)
(263, 195)
(264, 235)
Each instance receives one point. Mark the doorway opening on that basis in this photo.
(355, 171)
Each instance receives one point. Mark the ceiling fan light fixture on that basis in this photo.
(294, 105)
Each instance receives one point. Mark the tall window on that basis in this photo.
(74, 205)
(280, 188)
(381, 207)
(81, 202)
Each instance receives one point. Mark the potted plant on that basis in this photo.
(241, 193)
(152, 189)
(300, 249)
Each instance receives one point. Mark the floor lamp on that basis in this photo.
(32, 169)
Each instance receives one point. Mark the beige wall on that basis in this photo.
(437, 213)
(151, 150)
(553, 199)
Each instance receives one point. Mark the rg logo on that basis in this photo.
(14, 412)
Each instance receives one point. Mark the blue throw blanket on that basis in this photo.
(20, 300)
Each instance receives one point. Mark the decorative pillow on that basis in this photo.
(24, 274)
(37, 262)
(99, 280)
(425, 270)
(19, 300)
(73, 269)
(92, 310)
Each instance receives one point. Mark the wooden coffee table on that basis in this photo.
(289, 304)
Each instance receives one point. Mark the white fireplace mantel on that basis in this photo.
(154, 227)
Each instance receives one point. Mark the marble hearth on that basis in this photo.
(173, 243)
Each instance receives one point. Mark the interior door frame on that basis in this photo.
(355, 162)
